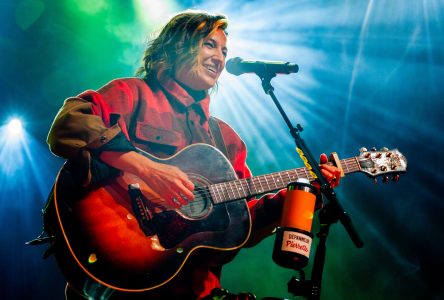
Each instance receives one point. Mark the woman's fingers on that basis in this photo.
(331, 173)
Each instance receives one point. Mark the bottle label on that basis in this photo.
(296, 242)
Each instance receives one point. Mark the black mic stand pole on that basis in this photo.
(329, 214)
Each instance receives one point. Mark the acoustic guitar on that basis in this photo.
(119, 235)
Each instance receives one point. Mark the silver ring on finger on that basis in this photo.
(175, 200)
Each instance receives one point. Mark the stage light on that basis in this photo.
(15, 128)
(152, 14)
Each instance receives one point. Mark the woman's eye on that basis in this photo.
(208, 44)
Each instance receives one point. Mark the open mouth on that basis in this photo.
(212, 69)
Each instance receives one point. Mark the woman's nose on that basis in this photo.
(219, 57)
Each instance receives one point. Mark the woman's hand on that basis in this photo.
(330, 172)
(169, 182)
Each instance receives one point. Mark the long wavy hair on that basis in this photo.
(178, 43)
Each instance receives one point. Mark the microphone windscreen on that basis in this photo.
(232, 66)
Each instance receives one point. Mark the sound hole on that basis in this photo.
(201, 206)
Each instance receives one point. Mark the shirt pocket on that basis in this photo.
(157, 140)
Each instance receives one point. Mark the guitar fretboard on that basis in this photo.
(249, 187)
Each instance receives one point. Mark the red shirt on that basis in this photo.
(161, 118)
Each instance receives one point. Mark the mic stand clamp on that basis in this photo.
(311, 289)
(331, 213)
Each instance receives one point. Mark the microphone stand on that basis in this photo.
(329, 214)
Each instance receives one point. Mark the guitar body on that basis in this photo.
(100, 236)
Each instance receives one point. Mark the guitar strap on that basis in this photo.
(217, 136)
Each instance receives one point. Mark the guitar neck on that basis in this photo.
(249, 187)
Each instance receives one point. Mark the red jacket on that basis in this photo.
(161, 118)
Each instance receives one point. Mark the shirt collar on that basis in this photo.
(183, 98)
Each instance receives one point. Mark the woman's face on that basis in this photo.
(209, 64)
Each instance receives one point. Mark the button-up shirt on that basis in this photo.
(160, 118)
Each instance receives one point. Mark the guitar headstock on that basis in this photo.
(383, 163)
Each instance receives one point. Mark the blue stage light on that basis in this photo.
(15, 128)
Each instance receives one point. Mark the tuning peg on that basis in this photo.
(385, 179)
(395, 178)
(362, 149)
(384, 149)
(373, 149)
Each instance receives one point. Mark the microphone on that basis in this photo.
(293, 238)
(238, 66)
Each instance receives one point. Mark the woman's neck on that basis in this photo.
(197, 95)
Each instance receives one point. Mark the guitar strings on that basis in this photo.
(224, 189)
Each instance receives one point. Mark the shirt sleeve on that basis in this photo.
(86, 124)
(100, 170)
